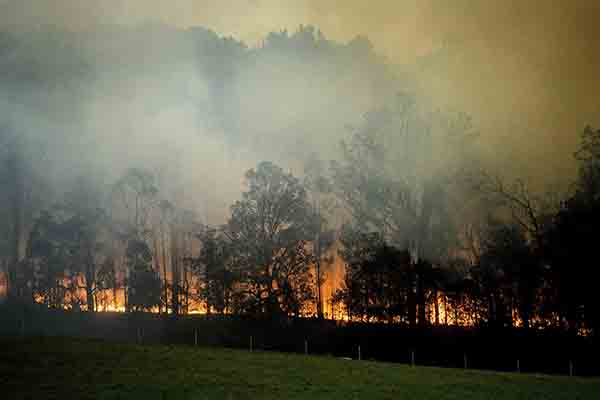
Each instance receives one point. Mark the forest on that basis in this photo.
(176, 171)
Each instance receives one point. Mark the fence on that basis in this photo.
(480, 348)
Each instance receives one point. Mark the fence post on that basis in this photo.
(359, 355)
(412, 358)
(195, 337)
(518, 365)
(251, 344)
(306, 346)
(570, 367)
(140, 335)
(465, 360)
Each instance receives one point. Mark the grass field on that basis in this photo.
(52, 368)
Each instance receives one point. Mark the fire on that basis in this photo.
(112, 308)
(444, 309)
(3, 284)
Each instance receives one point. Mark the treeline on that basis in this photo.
(529, 268)
(425, 232)
(528, 263)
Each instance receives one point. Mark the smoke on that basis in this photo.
(195, 109)
(123, 88)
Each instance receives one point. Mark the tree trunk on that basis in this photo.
(492, 310)
(318, 265)
(421, 319)
(457, 304)
(89, 297)
(412, 307)
(319, 295)
(90, 280)
(164, 266)
(17, 226)
(175, 273)
(445, 309)
(437, 308)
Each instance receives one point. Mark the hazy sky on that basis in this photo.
(525, 70)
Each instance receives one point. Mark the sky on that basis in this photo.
(526, 71)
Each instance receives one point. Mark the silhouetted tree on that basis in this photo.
(144, 288)
(378, 282)
(511, 273)
(319, 189)
(216, 273)
(571, 241)
(134, 197)
(271, 230)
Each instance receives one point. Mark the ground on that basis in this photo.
(52, 368)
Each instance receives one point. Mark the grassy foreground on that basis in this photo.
(52, 368)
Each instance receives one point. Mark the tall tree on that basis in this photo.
(134, 197)
(378, 281)
(319, 188)
(216, 273)
(393, 177)
(144, 288)
(88, 222)
(571, 241)
(511, 273)
(272, 229)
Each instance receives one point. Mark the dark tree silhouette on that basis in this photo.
(271, 230)
(143, 290)
(216, 271)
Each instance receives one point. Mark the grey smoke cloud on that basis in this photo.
(525, 71)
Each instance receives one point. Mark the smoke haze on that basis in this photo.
(525, 72)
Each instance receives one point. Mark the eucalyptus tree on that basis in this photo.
(66, 246)
(378, 280)
(398, 172)
(89, 226)
(398, 178)
(184, 227)
(216, 272)
(319, 188)
(272, 229)
(571, 242)
(134, 199)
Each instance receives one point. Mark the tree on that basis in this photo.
(394, 179)
(515, 247)
(144, 288)
(510, 269)
(66, 246)
(378, 281)
(166, 209)
(87, 221)
(136, 193)
(530, 211)
(214, 268)
(271, 230)
(50, 252)
(571, 241)
(319, 189)
(183, 230)
(134, 198)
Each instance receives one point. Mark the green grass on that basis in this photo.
(52, 368)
